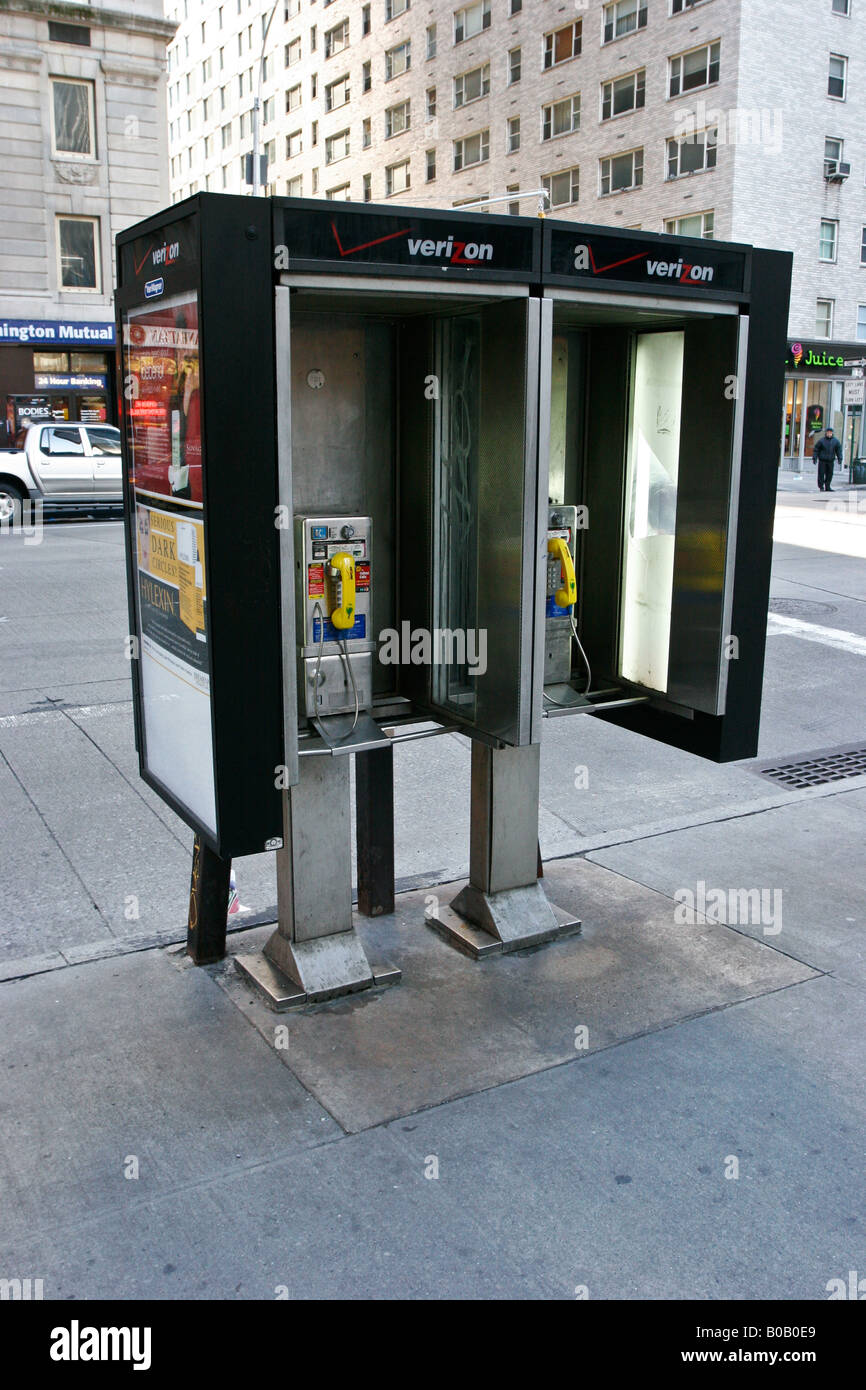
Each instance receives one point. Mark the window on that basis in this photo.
(827, 240)
(368, 187)
(471, 20)
(294, 144)
(314, 135)
(472, 149)
(393, 8)
(293, 55)
(73, 122)
(837, 77)
(65, 440)
(314, 86)
(295, 187)
(863, 246)
(431, 103)
(337, 147)
(513, 66)
(293, 98)
(366, 133)
(841, 6)
(246, 126)
(315, 180)
(340, 194)
(512, 143)
(78, 251)
(824, 318)
(697, 224)
(367, 76)
(337, 93)
(337, 39)
(562, 188)
(623, 17)
(832, 155)
(692, 154)
(680, 6)
(268, 110)
(270, 154)
(398, 59)
(623, 94)
(397, 119)
(561, 117)
(431, 40)
(207, 70)
(430, 166)
(59, 362)
(68, 33)
(515, 7)
(620, 171)
(698, 68)
(222, 59)
(396, 178)
(366, 21)
(513, 208)
(861, 323)
(563, 44)
(208, 146)
(469, 86)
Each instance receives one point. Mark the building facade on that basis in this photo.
(673, 116)
(83, 145)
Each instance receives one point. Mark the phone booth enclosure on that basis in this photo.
(662, 423)
(413, 400)
(196, 350)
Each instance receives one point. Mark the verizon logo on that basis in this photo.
(451, 250)
(679, 270)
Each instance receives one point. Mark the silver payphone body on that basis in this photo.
(335, 639)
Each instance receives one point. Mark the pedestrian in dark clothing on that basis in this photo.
(826, 452)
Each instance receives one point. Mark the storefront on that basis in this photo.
(55, 370)
(816, 399)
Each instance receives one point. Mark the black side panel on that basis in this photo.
(239, 424)
(601, 542)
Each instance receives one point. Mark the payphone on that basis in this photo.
(332, 605)
(560, 603)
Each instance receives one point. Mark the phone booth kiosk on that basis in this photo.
(392, 472)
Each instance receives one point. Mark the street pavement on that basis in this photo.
(657, 1108)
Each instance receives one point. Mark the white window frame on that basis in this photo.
(292, 56)
(394, 9)
(512, 64)
(609, 160)
(610, 15)
(831, 305)
(483, 69)
(482, 7)
(429, 162)
(405, 107)
(834, 223)
(97, 254)
(840, 58)
(836, 158)
(330, 157)
(860, 328)
(512, 135)
(707, 138)
(290, 136)
(680, 59)
(843, 14)
(390, 74)
(548, 45)
(547, 118)
(295, 186)
(573, 185)
(91, 156)
(341, 193)
(339, 31)
(331, 105)
(863, 245)
(638, 89)
(673, 227)
(390, 170)
(483, 138)
(293, 105)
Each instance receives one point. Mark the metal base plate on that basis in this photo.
(481, 924)
(327, 968)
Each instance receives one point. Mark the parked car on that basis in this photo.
(66, 466)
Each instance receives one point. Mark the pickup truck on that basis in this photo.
(66, 466)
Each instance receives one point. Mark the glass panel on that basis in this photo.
(651, 508)
(793, 411)
(72, 118)
(77, 254)
(817, 405)
(455, 504)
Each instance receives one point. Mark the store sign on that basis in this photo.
(55, 331)
(854, 391)
(818, 357)
(585, 256)
(60, 381)
(481, 246)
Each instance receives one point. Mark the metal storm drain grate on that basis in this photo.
(821, 768)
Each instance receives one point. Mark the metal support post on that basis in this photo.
(503, 907)
(315, 952)
(374, 822)
(208, 905)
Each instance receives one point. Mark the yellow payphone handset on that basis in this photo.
(566, 595)
(342, 570)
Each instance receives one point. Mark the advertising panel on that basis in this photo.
(161, 389)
